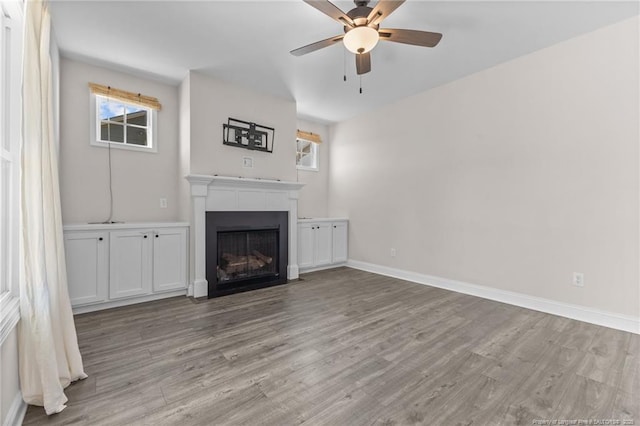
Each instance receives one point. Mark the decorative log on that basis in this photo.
(222, 274)
(241, 263)
(246, 261)
(265, 259)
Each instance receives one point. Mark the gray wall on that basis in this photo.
(212, 102)
(512, 178)
(140, 179)
(314, 196)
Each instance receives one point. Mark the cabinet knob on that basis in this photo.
(334, 226)
(145, 236)
(100, 239)
(157, 235)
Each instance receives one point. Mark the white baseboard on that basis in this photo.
(125, 302)
(577, 312)
(322, 268)
(16, 413)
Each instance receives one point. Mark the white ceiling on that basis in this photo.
(248, 42)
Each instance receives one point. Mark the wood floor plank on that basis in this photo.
(345, 347)
(626, 407)
(606, 357)
(585, 399)
(630, 382)
(475, 403)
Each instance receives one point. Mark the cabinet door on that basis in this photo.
(340, 236)
(305, 245)
(323, 243)
(169, 259)
(130, 263)
(87, 273)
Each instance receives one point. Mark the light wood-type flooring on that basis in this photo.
(346, 347)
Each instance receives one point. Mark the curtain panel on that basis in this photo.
(48, 348)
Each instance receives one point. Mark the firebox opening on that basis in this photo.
(247, 254)
(246, 250)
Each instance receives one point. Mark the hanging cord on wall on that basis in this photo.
(123, 97)
(110, 174)
(110, 182)
(109, 220)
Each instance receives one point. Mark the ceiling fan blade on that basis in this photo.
(331, 10)
(316, 46)
(417, 38)
(383, 9)
(363, 63)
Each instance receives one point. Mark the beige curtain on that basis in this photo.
(48, 349)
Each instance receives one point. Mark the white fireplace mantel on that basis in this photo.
(224, 193)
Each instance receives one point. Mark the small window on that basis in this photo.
(122, 125)
(306, 155)
(11, 25)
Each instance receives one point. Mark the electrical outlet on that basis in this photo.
(163, 203)
(247, 162)
(393, 252)
(578, 279)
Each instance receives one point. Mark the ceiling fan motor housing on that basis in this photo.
(359, 14)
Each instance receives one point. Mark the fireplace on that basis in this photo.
(245, 251)
(236, 194)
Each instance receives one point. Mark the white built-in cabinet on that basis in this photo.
(87, 266)
(170, 259)
(129, 263)
(322, 243)
(340, 235)
(120, 264)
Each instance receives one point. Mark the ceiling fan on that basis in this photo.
(362, 30)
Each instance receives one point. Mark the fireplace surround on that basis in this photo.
(233, 194)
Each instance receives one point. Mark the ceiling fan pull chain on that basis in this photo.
(361, 84)
(344, 63)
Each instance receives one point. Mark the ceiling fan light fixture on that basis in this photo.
(361, 39)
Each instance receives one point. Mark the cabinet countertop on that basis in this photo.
(321, 219)
(123, 225)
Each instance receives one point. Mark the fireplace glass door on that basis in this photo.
(247, 254)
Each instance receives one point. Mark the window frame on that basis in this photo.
(152, 115)
(316, 156)
(12, 17)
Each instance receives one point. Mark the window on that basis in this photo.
(10, 109)
(306, 155)
(307, 147)
(123, 119)
(10, 141)
(122, 124)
